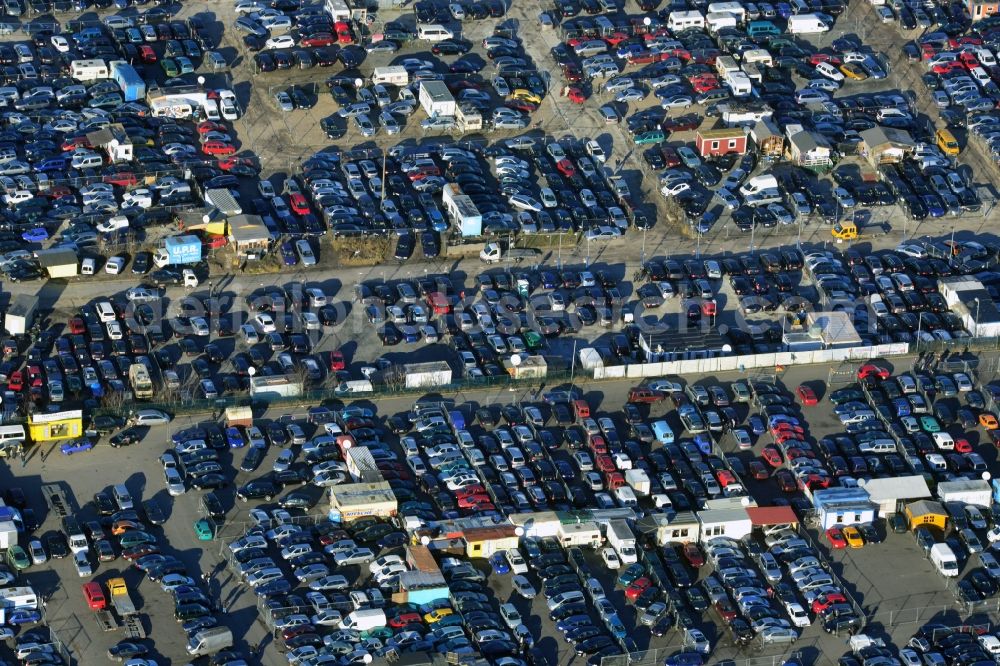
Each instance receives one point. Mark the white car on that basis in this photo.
(265, 323)
(798, 614)
(280, 42)
(199, 326)
(611, 559)
(603, 233)
(114, 265)
(516, 561)
(305, 251)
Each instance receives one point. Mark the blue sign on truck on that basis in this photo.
(128, 79)
(183, 249)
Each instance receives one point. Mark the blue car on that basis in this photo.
(54, 164)
(756, 424)
(18, 617)
(36, 235)
(76, 447)
(235, 438)
(684, 659)
(704, 444)
(499, 564)
(288, 253)
(274, 588)
(902, 406)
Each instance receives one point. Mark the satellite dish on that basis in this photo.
(745, 501)
(201, 80)
(206, 218)
(251, 371)
(515, 360)
(987, 476)
(646, 21)
(519, 531)
(358, 83)
(425, 540)
(862, 483)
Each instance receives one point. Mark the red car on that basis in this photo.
(824, 601)
(807, 395)
(598, 445)
(475, 489)
(299, 204)
(772, 456)
(575, 95)
(337, 361)
(473, 501)
(77, 326)
(218, 148)
(693, 554)
(16, 382)
(319, 39)
(404, 619)
(726, 610)
(207, 126)
(233, 161)
(786, 481)
(963, 446)
(604, 463)
(147, 54)
(837, 541)
(135, 553)
(566, 167)
(639, 586)
(872, 370)
(122, 179)
(758, 470)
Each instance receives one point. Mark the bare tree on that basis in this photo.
(394, 377)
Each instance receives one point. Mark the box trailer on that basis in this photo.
(21, 314)
(590, 358)
(425, 375)
(639, 480)
(178, 250)
(805, 24)
(128, 79)
(587, 533)
(622, 539)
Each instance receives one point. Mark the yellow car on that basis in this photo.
(853, 537)
(853, 71)
(438, 614)
(526, 95)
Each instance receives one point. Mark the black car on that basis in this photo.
(57, 546)
(104, 504)
(126, 437)
(210, 480)
(298, 499)
(257, 489)
(254, 456)
(213, 505)
(126, 650)
(404, 247)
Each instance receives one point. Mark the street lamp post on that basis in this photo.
(975, 333)
(643, 260)
(920, 324)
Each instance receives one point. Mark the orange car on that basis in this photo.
(988, 421)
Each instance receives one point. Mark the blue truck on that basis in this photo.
(178, 250)
(128, 79)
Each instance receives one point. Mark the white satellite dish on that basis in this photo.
(987, 476)
(646, 21)
(206, 218)
(862, 483)
(519, 531)
(515, 360)
(745, 501)
(201, 80)
(358, 83)
(425, 539)
(251, 371)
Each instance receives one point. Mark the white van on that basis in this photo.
(211, 108)
(105, 312)
(943, 441)
(87, 266)
(364, 619)
(434, 33)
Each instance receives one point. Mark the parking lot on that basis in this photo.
(211, 206)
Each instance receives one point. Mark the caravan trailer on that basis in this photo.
(89, 70)
(685, 20)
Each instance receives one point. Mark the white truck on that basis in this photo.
(944, 560)
(494, 252)
(622, 539)
(639, 480)
(8, 534)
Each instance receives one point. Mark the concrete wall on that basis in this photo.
(748, 362)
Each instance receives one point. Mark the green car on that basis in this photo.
(136, 538)
(631, 574)
(204, 529)
(18, 558)
(930, 424)
(533, 340)
(655, 136)
(170, 67)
